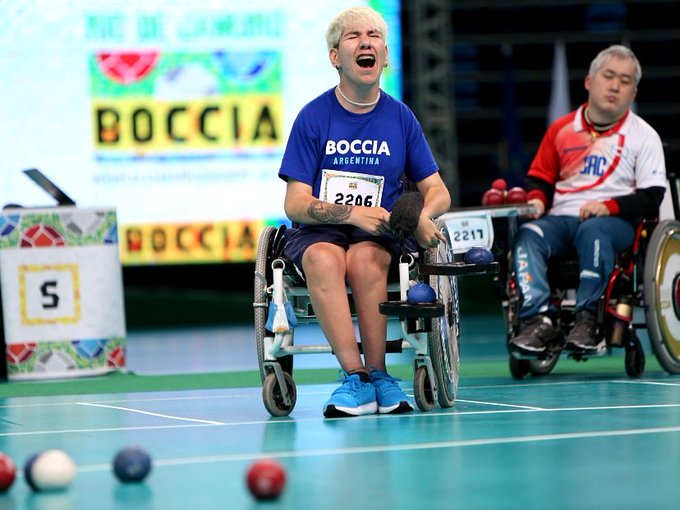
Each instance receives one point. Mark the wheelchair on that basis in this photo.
(430, 330)
(642, 292)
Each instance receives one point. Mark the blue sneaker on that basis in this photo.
(391, 398)
(352, 398)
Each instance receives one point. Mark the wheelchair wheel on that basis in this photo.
(443, 340)
(272, 397)
(540, 367)
(536, 367)
(422, 390)
(518, 367)
(269, 242)
(635, 357)
(661, 279)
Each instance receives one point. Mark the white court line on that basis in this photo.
(159, 415)
(498, 404)
(130, 400)
(649, 382)
(520, 409)
(268, 422)
(258, 392)
(114, 429)
(249, 394)
(532, 384)
(393, 448)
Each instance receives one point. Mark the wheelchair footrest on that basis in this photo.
(412, 310)
(458, 269)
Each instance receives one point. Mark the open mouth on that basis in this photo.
(366, 61)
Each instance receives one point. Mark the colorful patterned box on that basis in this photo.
(62, 292)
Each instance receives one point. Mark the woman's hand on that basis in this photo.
(427, 234)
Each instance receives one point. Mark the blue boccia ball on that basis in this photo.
(131, 464)
(421, 293)
(478, 255)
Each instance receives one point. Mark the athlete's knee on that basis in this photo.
(367, 257)
(530, 232)
(324, 258)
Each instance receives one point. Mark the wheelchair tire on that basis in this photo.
(635, 358)
(273, 398)
(263, 276)
(269, 238)
(444, 338)
(541, 367)
(661, 279)
(518, 367)
(536, 367)
(422, 390)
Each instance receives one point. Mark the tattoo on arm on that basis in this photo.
(325, 212)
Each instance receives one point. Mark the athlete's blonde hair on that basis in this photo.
(354, 16)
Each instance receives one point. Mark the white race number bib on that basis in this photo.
(350, 188)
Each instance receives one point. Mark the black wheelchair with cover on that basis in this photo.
(430, 330)
(643, 292)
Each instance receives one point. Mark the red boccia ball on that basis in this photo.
(8, 472)
(493, 196)
(499, 184)
(266, 479)
(516, 195)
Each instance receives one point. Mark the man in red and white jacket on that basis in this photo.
(597, 171)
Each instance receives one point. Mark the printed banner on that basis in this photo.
(207, 242)
(155, 104)
(171, 113)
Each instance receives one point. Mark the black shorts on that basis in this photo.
(299, 239)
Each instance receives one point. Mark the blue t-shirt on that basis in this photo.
(388, 141)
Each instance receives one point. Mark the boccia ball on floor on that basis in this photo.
(266, 479)
(131, 464)
(478, 255)
(49, 470)
(8, 472)
(421, 293)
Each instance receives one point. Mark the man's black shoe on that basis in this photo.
(536, 335)
(582, 335)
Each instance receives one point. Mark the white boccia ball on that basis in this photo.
(49, 470)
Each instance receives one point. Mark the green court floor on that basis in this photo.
(565, 441)
(585, 436)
